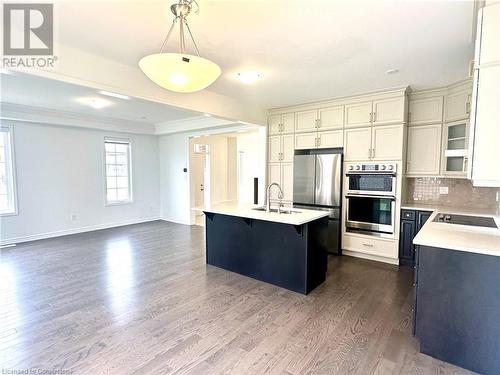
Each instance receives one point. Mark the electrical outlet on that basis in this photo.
(443, 190)
(72, 217)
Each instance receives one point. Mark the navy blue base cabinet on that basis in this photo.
(457, 308)
(289, 256)
(411, 222)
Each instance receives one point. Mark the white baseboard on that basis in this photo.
(65, 232)
(175, 221)
(370, 257)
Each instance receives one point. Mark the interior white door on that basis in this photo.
(198, 179)
(357, 144)
(287, 147)
(387, 142)
(287, 181)
(388, 111)
(306, 121)
(331, 118)
(304, 141)
(274, 122)
(274, 149)
(333, 138)
(274, 173)
(358, 114)
(426, 110)
(424, 150)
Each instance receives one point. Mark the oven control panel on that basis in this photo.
(372, 167)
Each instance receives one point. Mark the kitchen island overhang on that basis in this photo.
(287, 250)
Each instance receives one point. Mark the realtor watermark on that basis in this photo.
(28, 35)
(36, 371)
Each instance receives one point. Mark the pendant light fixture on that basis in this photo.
(180, 72)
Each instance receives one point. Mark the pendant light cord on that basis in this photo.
(182, 41)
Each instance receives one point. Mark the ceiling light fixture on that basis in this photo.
(392, 71)
(96, 103)
(180, 72)
(114, 95)
(248, 77)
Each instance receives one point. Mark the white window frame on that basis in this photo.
(105, 174)
(11, 171)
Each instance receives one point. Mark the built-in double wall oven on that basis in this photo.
(371, 198)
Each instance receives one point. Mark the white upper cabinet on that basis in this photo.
(281, 123)
(426, 110)
(423, 155)
(358, 114)
(357, 145)
(274, 124)
(485, 129)
(388, 111)
(306, 121)
(387, 142)
(329, 139)
(274, 149)
(287, 147)
(331, 118)
(490, 35)
(304, 141)
(458, 105)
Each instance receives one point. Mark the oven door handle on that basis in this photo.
(392, 198)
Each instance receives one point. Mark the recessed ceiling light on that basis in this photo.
(207, 115)
(392, 71)
(96, 103)
(114, 95)
(248, 77)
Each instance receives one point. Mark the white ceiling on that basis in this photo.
(33, 91)
(307, 50)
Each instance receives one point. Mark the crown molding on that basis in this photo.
(19, 112)
(191, 124)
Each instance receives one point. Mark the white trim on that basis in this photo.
(12, 171)
(65, 232)
(183, 222)
(376, 258)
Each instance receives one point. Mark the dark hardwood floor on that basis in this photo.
(140, 299)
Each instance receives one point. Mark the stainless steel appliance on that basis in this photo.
(371, 198)
(317, 185)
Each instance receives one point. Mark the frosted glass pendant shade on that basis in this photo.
(180, 72)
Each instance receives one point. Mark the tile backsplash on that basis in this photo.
(460, 192)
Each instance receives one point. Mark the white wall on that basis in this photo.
(174, 183)
(60, 172)
(251, 148)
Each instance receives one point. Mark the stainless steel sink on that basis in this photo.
(275, 210)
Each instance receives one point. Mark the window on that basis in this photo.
(7, 183)
(118, 171)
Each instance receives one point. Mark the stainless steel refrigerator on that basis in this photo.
(317, 185)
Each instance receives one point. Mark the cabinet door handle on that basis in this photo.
(367, 245)
(467, 108)
(374, 116)
(466, 160)
(371, 116)
(318, 123)
(319, 141)
(369, 153)
(373, 152)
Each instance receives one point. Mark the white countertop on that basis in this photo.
(467, 238)
(451, 209)
(303, 216)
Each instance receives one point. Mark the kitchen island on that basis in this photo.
(283, 249)
(457, 291)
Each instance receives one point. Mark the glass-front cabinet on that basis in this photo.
(455, 148)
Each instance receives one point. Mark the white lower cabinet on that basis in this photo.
(281, 173)
(357, 145)
(387, 142)
(424, 150)
(386, 248)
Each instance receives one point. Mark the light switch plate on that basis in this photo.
(443, 190)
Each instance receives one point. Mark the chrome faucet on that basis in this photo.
(268, 195)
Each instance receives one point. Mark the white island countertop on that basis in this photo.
(480, 240)
(299, 217)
